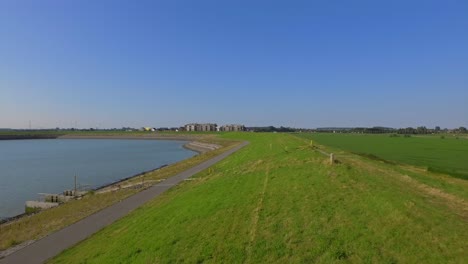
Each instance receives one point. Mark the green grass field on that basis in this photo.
(277, 200)
(448, 155)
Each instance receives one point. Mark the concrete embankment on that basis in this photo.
(201, 147)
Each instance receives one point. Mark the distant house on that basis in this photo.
(148, 129)
(232, 128)
(201, 127)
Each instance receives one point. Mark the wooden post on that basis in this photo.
(332, 158)
(74, 194)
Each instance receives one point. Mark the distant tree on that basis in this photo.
(410, 130)
(437, 129)
(462, 129)
(421, 130)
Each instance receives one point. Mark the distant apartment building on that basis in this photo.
(191, 127)
(201, 127)
(232, 128)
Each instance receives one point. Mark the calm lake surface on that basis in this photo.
(29, 167)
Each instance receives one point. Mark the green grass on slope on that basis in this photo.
(448, 155)
(278, 201)
(453, 185)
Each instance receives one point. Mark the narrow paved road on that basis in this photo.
(49, 246)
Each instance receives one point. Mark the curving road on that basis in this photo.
(49, 246)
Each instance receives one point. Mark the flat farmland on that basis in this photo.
(444, 154)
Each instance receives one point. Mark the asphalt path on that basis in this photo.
(51, 245)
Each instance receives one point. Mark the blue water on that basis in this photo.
(29, 167)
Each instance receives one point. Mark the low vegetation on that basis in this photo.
(279, 200)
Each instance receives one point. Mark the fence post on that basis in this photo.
(332, 158)
(74, 194)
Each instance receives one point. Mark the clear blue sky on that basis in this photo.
(291, 63)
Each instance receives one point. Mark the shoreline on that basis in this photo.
(55, 242)
(8, 220)
(24, 137)
(192, 145)
(195, 146)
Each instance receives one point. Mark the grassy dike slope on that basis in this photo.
(275, 201)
